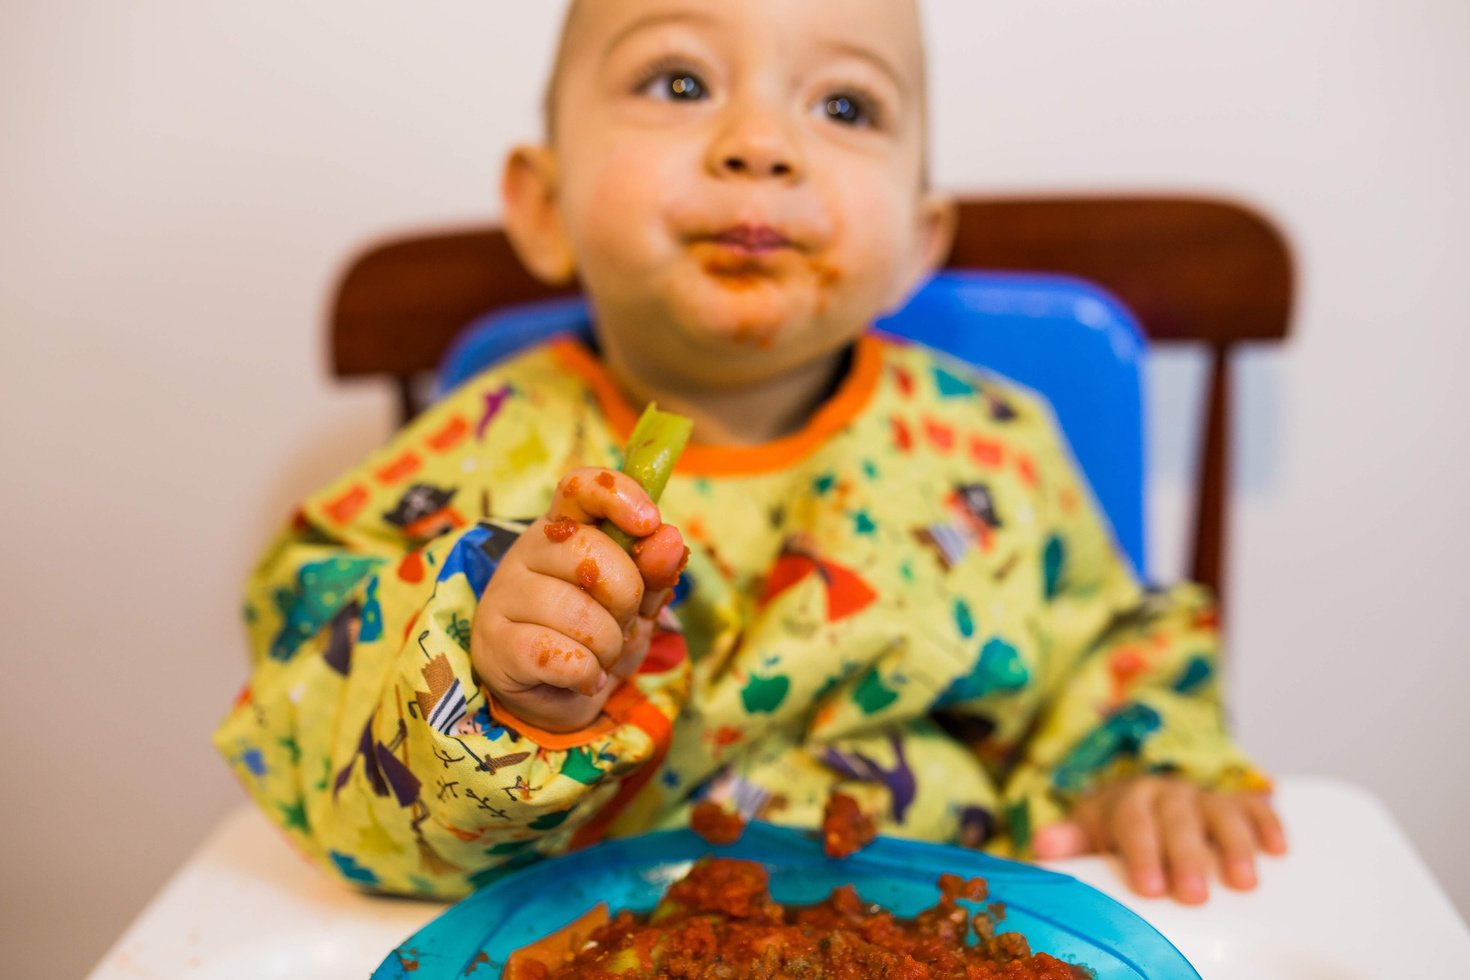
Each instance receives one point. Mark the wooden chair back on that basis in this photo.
(1193, 270)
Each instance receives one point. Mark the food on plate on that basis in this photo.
(845, 828)
(716, 824)
(719, 921)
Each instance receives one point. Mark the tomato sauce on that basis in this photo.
(845, 828)
(715, 824)
(720, 921)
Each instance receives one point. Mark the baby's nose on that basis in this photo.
(771, 164)
(756, 144)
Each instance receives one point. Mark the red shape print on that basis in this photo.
(941, 435)
(1027, 469)
(901, 435)
(986, 452)
(411, 568)
(449, 436)
(905, 382)
(1125, 665)
(347, 506)
(724, 736)
(788, 570)
(399, 469)
(846, 592)
(665, 652)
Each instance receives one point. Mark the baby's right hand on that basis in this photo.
(568, 614)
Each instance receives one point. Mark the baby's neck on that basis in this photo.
(745, 416)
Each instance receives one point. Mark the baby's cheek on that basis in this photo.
(616, 217)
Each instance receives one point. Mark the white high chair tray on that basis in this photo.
(1352, 901)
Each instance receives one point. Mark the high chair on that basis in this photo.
(1191, 270)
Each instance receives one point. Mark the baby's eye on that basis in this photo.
(848, 108)
(674, 85)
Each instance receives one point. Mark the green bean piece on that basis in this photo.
(649, 457)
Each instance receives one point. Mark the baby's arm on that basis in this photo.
(1132, 755)
(365, 730)
(568, 614)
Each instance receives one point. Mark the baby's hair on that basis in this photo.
(558, 65)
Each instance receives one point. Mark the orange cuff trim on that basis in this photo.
(851, 398)
(625, 705)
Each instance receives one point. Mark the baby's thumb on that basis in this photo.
(1061, 840)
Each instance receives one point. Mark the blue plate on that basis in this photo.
(1057, 914)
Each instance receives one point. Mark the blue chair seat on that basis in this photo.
(1064, 338)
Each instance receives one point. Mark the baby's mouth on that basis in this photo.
(749, 240)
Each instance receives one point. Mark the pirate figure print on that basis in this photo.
(974, 520)
(423, 513)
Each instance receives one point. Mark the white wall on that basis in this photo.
(181, 179)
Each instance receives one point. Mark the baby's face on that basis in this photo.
(740, 182)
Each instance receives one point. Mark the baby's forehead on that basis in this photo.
(890, 27)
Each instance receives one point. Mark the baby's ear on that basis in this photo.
(938, 219)
(529, 193)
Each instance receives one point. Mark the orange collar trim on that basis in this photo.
(699, 459)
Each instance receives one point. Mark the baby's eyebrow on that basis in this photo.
(852, 49)
(656, 19)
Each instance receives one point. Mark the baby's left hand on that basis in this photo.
(1164, 825)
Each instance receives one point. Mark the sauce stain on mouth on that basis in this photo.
(744, 275)
(826, 276)
(741, 274)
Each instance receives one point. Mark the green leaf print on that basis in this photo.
(550, 821)
(963, 621)
(998, 668)
(1122, 734)
(765, 694)
(578, 764)
(1196, 674)
(321, 588)
(294, 816)
(951, 386)
(872, 695)
(1052, 559)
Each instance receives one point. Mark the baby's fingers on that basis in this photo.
(1136, 833)
(660, 558)
(588, 495)
(1267, 824)
(1185, 845)
(569, 611)
(538, 656)
(1231, 829)
(589, 559)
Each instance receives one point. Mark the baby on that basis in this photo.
(897, 584)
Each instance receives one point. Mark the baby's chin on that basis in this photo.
(745, 317)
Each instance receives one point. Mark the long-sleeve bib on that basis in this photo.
(912, 599)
